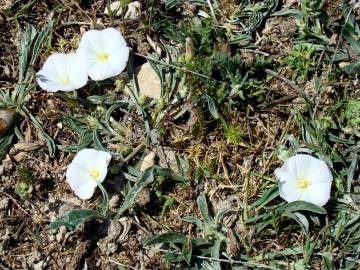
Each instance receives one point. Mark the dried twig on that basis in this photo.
(16, 203)
(254, 51)
(282, 78)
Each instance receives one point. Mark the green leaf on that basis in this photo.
(170, 237)
(292, 251)
(267, 197)
(182, 165)
(75, 218)
(49, 141)
(194, 220)
(222, 213)
(351, 171)
(145, 179)
(299, 218)
(211, 106)
(170, 174)
(215, 253)
(105, 202)
(5, 143)
(297, 14)
(134, 90)
(352, 68)
(203, 207)
(25, 47)
(97, 141)
(302, 206)
(106, 98)
(328, 260)
(39, 42)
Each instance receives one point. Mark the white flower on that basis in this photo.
(88, 168)
(62, 72)
(304, 178)
(104, 52)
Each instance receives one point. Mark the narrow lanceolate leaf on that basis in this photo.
(75, 218)
(5, 143)
(302, 206)
(145, 179)
(25, 48)
(49, 141)
(299, 218)
(38, 43)
(97, 141)
(297, 14)
(267, 197)
(203, 207)
(170, 173)
(105, 202)
(351, 171)
(194, 220)
(171, 237)
(212, 107)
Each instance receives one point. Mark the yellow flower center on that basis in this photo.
(95, 173)
(303, 183)
(65, 80)
(103, 57)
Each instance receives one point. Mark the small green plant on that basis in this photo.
(181, 248)
(233, 134)
(302, 60)
(137, 181)
(30, 46)
(352, 114)
(308, 21)
(312, 8)
(24, 187)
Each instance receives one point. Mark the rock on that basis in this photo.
(143, 196)
(134, 11)
(39, 266)
(115, 8)
(4, 204)
(148, 161)
(6, 118)
(114, 203)
(149, 82)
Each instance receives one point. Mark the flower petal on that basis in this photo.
(319, 193)
(114, 39)
(104, 53)
(321, 174)
(289, 191)
(80, 173)
(92, 41)
(306, 164)
(86, 191)
(119, 59)
(62, 72)
(80, 181)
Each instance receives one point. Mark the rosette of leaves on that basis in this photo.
(312, 8)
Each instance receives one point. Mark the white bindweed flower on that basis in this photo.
(62, 72)
(104, 52)
(304, 178)
(88, 168)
